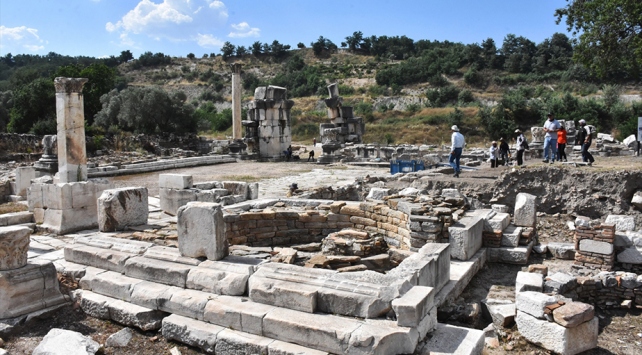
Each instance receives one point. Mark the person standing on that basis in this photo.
(551, 126)
(494, 154)
(561, 143)
(504, 151)
(585, 139)
(520, 147)
(457, 143)
(314, 142)
(311, 155)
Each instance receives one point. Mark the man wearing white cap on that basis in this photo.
(585, 139)
(456, 146)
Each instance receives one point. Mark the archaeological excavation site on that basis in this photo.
(367, 249)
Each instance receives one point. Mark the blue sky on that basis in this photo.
(177, 27)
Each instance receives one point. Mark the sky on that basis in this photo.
(99, 28)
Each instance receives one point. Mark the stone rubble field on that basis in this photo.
(564, 193)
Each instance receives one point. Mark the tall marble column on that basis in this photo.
(236, 101)
(72, 153)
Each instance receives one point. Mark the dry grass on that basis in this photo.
(11, 207)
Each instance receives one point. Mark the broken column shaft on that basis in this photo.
(236, 101)
(72, 154)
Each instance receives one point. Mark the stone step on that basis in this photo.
(461, 272)
(103, 307)
(450, 339)
(511, 255)
(214, 339)
(10, 219)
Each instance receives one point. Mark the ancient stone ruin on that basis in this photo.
(267, 128)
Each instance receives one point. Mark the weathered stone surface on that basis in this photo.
(559, 339)
(107, 259)
(191, 332)
(217, 281)
(528, 281)
(101, 240)
(594, 246)
(123, 207)
(119, 339)
(412, 307)
(14, 245)
(538, 269)
(631, 255)
(511, 235)
(165, 272)
(533, 303)
(187, 303)
(377, 336)
(94, 304)
(152, 295)
(378, 193)
(622, 222)
(559, 282)
(66, 342)
(510, 255)
(465, 237)
(499, 306)
(282, 348)
(320, 331)
(564, 251)
(172, 199)
(30, 288)
(236, 313)
(573, 314)
(175, 181)
(135, 316)
(498, 222)
(525, 214)
(503, 315)
(230, 341)
(170, 254)
(637, 200)
(201, 230)
(110, 284)
(296, 296)
(13, 218)
(450, 339)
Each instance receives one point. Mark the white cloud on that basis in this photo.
(208, 41)
(243, 29)
(21, 38)
(173, 20)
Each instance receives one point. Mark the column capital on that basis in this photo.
(236, 68)
(69, 85)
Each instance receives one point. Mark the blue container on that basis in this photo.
(405, 166)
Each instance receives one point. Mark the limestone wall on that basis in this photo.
(394, 220)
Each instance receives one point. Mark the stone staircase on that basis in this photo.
(227, 306)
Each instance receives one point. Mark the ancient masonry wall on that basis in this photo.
(594, 246)
(400, 229)
(608, 289)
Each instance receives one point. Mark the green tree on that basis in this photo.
(6, 103)
(33, 102)
(241, 51)
(125, 56)
(227, 50)
(102, 79)
(191, 56)
(256, 48)
(610, 33)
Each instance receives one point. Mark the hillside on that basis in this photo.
(394, 115)
(407, 91)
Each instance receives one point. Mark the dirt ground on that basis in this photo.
(620, 331)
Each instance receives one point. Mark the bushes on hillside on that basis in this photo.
(146, 110)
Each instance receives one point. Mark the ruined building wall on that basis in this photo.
(400, 229)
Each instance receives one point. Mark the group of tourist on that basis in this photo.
(555, 141)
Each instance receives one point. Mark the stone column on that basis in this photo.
(72, 154)
(236, 101)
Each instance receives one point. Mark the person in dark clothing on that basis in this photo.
(311, 156)
(504, 151)
(585, 139)
(520, 146)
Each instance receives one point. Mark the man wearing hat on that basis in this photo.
(456, 146)
(551, 126)
(585, 139)
(520, 146)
